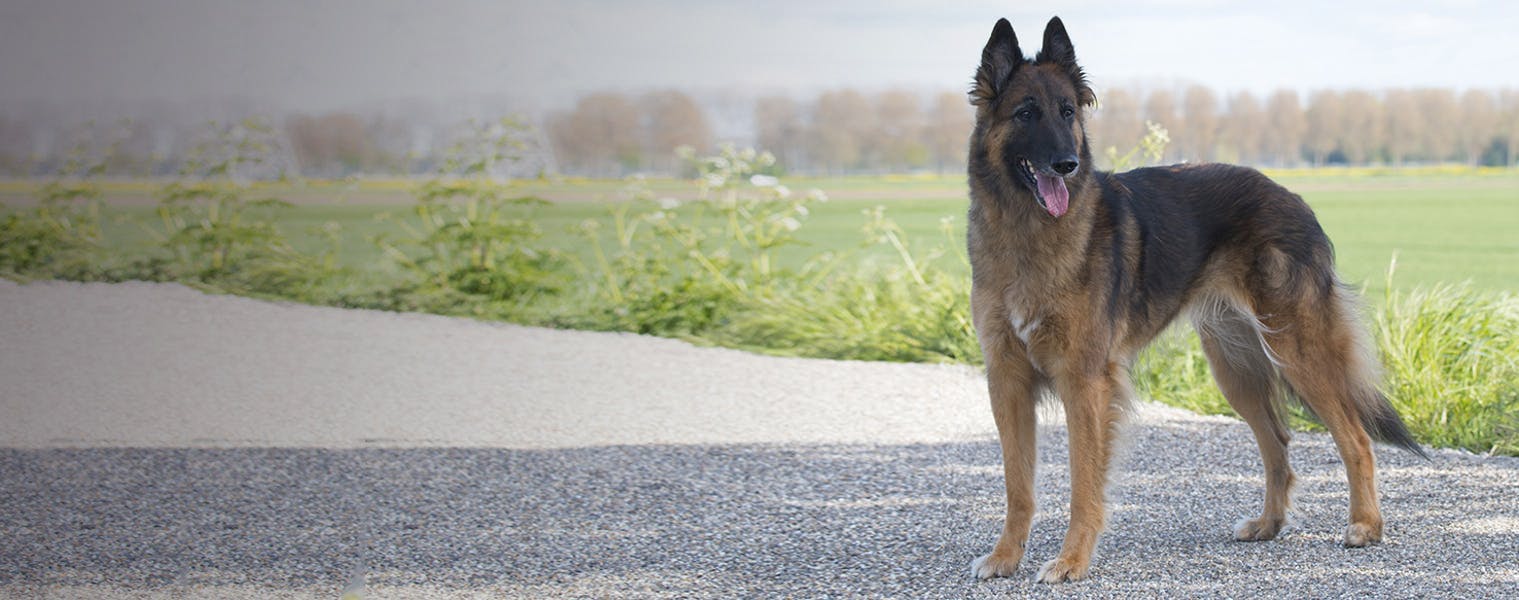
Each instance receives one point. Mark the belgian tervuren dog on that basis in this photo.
(1075, 270)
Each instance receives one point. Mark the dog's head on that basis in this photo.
(1029, 114)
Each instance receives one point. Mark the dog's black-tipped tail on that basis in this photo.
(1384, 425)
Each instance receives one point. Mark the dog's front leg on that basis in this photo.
(1011, 380)
(1091, 422)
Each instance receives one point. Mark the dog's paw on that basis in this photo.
(1359, 535)
(994, 565)
(1258, 530)
(1063, 569)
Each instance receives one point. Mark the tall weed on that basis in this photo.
(59, 237)
(910, 311)
(214, 228)
(471, 238)
(1451, 357)
(669, 267)
(1149, 151)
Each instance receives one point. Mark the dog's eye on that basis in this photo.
(1024, 115)
(1067, 112)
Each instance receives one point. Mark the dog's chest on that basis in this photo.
(1028, 326)
(1024, 323)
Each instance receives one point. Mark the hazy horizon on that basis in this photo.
(535, 56)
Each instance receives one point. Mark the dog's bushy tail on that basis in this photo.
(1376, 414)
(1383, 424)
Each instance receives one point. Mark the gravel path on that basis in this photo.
(157, 442)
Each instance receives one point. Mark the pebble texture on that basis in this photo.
(156, 442)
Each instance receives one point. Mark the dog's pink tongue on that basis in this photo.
(1056, 198)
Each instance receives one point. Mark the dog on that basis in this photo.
(1074, 271)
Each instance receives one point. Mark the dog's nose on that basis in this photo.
(1065, 166)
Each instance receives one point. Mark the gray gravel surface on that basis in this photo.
(159, 442)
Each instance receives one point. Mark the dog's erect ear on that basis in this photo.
(998, 61)
(1058, 50)
(1057, 45)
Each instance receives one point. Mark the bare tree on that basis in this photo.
(780, 128)
(1283, 137)
(1442, 135)
(1116, 123)
(1404, 125)
(671, 119)
(949, 126)
(1508, 124)
(1325, 119)
(1240, 134)
(844, 122)
(1478, 124)
(899, 135)
(599, 137)
(328, 145)
(1199, 131)
(1365, 129)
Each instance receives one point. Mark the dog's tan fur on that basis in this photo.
(1064, 303)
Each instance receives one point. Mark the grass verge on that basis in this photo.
(727, 263)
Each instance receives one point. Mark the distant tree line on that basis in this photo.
(1327, 127)
(610, 134)
(847, 131)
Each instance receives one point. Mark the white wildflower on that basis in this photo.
(668, 203)
(764, 181)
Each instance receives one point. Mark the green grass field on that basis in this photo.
(1443, 228)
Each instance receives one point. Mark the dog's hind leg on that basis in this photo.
(1248, 380)
(1322, 363)
(1010, 379)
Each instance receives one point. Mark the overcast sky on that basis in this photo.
(320, 55)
